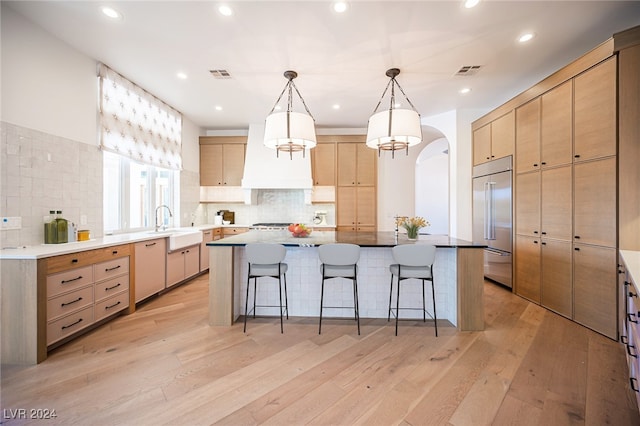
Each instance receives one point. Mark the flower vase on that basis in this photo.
(412, 234)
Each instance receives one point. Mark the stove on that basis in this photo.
(270, 226)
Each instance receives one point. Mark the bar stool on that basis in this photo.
(265, 260)
(414, 261)
(340, 261)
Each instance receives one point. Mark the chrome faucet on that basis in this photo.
(158, 208)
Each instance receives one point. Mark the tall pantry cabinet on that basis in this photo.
(576, 182)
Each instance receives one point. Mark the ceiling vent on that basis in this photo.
(220, 74)
(468, 70)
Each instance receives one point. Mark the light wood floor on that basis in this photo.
(166, 365)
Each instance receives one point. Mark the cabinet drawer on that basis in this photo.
(68, 325)
(111, 287)
(112, 268)
(69, 302)
(69, 280)
(111, 305)
(84, 258)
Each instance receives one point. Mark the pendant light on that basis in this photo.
(396, 128)
(290, 131)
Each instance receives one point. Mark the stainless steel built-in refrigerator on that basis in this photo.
(492, 224)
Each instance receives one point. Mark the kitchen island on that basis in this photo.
(458, 277)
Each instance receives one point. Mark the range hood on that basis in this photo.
(264, 170)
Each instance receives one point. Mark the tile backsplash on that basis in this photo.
(42, 172)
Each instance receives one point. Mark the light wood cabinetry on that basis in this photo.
(357, 185)
(527, 204)
(556, 278)
(207, 236)
(594, 288)
(556, 126)
(528, 136)
(150, 267)
(494, 140)
(527, 267)
(233, 230)
(221, 164)
(630, 317)
(556, 204)
(182, 264)
(84, 288)
(323, 164)
(595, 121)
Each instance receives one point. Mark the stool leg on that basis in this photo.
(390, 291)
(321, 301)
(286, 298)
(435, 317)
(398, 303)
(355, 303)
(280, 292)
(255, 291)
(246, 306)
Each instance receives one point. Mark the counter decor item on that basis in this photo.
(299, 230)
(83, 235)
(412, 225)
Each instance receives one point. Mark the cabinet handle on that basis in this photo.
(633, 380)
(543, 243)
(207, 233)
(488, 158)
(535, 241)
(632, 294)
(543, 233)
(72, 279)
(577, 237)
(624, 339)
(535, 232)
(635, 355)
(74, 260)
(150, 244)
(62, 305)
(535, 164)
(629, 318)
(112, 306)
(576, 248)
(72, 324)
(112, 269)
(111, 288)
(576, 156)
(544, 163)
(114, 252)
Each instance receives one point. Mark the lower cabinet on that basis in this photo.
(527, 267)
(80, 296)
(150, 267)
(556, 288)
(182, 264)
(207, 236)
(630, 322)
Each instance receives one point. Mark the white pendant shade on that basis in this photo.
(405, 129)
(301, 130)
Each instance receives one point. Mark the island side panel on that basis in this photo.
(221, 262)
(470, 289)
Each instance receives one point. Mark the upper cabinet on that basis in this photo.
(556, 126)
(528, 136)
(494, 140)
(595, 120)
(222, 160)
(356, 165)
(323, 164)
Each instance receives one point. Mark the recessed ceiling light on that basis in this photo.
(471, 3)
(340, 6)
(225, 10)
(111, 13)
(464, 90)
(278, 107)
(336, 106)
(397, 105)
(181, 76)
(526, 37)
(218, 108)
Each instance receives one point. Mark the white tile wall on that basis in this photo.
(42, 172)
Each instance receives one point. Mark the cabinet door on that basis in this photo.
(595, 202)
(557, 286)
(149, 267)
(528, 204)
(211, 165)
(503, 136)
(528, 136)
(207, 235)
(556, 126)
(347, 164)
(482, 144)
(595, 112)
(323, 160)
(346, 208)
(175, 267)
(365, 165)
(366, 208)
(556, 199)
(594, 288)
(528, 267)
(233, 166)
(191, 261)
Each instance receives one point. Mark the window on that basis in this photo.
(133, 191)
(141, 139)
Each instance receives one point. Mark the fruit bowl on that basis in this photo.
(299, 230)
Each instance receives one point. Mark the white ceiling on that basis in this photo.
(340, 58)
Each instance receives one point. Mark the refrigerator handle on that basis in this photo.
(489, 212)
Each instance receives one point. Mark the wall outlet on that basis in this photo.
(11, 223)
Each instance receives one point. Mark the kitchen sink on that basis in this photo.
(180, 237)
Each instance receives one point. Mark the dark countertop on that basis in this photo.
(363, 239)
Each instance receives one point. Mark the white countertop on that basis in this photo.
(632, 262)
